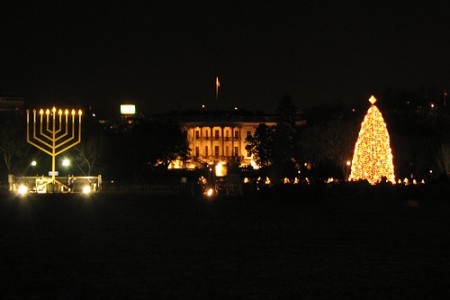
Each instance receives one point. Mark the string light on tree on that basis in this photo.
(372, 159)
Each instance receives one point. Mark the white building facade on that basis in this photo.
(221, 137)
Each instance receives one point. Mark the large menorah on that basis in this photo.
(54, 131)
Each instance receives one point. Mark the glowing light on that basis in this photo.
(66, 162)
(22, 190)
(221, 169)
(127, 109)
(210, 192)
(87, 189)
(372, 159)
(176, 164)
(254, 165)
(33, 163)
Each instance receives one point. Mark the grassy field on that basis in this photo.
(269, 246)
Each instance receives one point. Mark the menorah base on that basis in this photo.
(46, 185)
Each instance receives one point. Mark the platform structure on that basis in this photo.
(46, 184)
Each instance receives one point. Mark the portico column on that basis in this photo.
(232, 141)
(240, 141)
(201, 142)
(211, 138)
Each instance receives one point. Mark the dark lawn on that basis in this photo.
(143, 246)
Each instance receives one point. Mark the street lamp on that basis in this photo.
(66, 162)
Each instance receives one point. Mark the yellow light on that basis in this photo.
(372, 158)
(22, 190)
(87, 189)
(221, 169)
(210, 192)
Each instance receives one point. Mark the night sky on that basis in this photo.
(165, 57)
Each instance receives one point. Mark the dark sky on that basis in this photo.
(166, 55)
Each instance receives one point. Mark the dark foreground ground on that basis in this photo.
(270, 246)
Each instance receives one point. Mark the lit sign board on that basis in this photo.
(127, 109)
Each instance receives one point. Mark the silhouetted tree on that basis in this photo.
(261, 145)
(13, 143)
(89, 153)
(145, 146)
(286, 153)
(331, 143)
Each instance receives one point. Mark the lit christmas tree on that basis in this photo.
(372, 159)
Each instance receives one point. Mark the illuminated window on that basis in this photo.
(197, 134)
(227, 151)
(236, 134)
(197, 151)
(206, 151)
(236, 151)
(216, 133)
